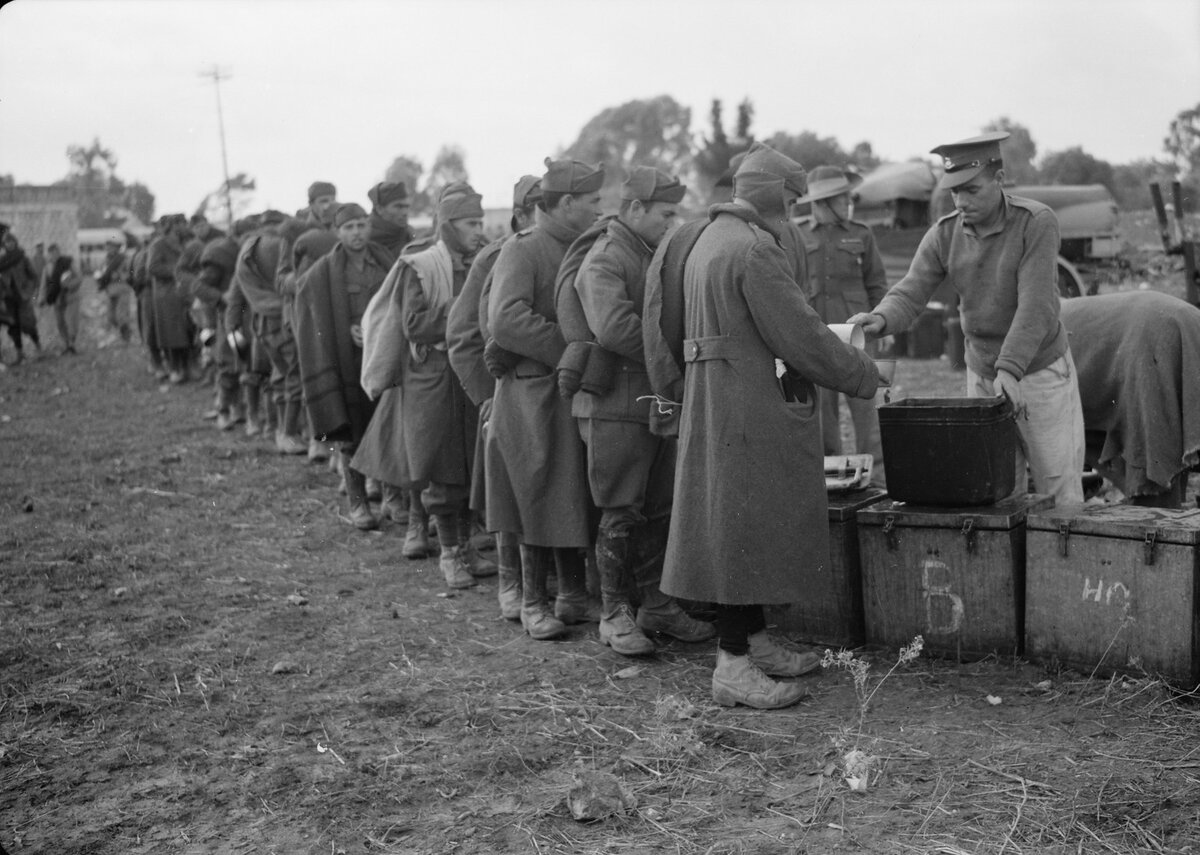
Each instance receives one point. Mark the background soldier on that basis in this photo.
(845, 276)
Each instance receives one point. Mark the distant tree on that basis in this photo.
(810, 150)
(1019, 150)
(241, 197)
(647, 132)
(1182, 142)
(1075, 166)
(717, 148)
(140, 201)
(862, 156)
(449, 166)
(409, 169)
(1131, 182)
(6, 180)
(101, 195)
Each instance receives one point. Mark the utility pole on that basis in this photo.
(217, 75)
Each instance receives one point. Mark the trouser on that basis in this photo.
(631, 476)
(120, 297)
(1050, 431)
(21, 317)
(280, 346)
(735, 625)
(66, 315)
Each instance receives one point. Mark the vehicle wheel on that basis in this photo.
(1070, 284)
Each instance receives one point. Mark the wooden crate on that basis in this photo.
(1114, 589)
(832, 613)
(955, 576)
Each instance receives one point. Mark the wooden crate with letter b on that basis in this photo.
(953, 575)
(1114, 588)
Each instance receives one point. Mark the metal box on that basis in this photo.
(949, 452)
(832, 613)
(1113, 589)
(953, 575)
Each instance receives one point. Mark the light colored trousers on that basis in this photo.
(66, 315)
(1051, 431)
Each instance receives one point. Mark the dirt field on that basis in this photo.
(199, 655)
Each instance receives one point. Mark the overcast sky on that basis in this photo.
(335, 90)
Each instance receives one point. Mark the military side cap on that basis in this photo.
(825, 182)
(761, 158)
(386, 192)
(320, 188)
(965, 159)
(527, 191)
(348, 213)
(459, 206)
(647, 184)
(572, 176)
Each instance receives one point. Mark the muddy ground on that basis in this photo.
(199, 655)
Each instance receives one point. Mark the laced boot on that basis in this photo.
(395, 505)
(356, 492)
(480, 567)
(453, 559)
(737, 680)
(779, 661)
(416, 537)
(572, 604)
(617, 627)
(253, 395)
(287, 435)
(537, 562)
(508, 591)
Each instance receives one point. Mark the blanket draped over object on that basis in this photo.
(1138, 357)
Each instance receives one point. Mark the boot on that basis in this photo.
(374, 490)
(287, 435)
(539, 621)
(416, 538)
(573, 605)
(453, 560)
(659, 612)
(395, 505)
(480, 567)
(617, 627)
(253, 396)
(356, 492)
(508, 591)
(737, 680)
(779, 661)
(318, 452)
(229, 411)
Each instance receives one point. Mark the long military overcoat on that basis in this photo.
(536, 439)
(749, 524)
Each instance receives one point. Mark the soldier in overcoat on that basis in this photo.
(466, 337)
(540, 451)
(749, 522)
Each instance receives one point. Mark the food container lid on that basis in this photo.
(1123, 521)
(1005, 514)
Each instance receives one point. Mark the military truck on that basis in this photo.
(901, 200)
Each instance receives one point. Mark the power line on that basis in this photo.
(217, 75)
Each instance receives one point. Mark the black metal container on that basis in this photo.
(949, 451)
